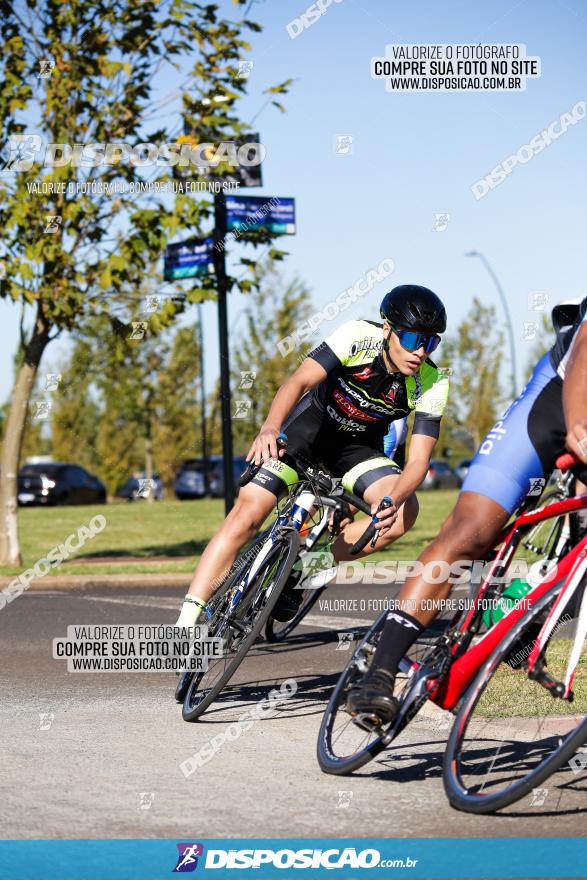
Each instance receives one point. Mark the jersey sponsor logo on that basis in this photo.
(351, 410)
(496, 433)
(345, 424)
(368, 343)
(361, 401)
(363, 374)
(417, 391)
(390, 394)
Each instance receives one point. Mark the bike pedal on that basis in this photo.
(367, 721)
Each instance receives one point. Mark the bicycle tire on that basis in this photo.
(288, 548)
(459, 796)
(343, 765)
(237, 569)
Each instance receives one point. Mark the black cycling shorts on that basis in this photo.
(358, 465)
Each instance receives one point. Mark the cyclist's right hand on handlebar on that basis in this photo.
(264, 446)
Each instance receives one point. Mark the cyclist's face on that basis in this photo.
(407, 362)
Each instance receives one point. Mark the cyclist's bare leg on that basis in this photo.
(251, 508)
(407, 515)
(468, 533)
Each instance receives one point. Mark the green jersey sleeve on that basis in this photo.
(427, 395)
(351, 344)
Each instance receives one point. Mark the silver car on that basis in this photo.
(440, 476)
(190, 480)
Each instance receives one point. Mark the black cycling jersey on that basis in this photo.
(360, 398)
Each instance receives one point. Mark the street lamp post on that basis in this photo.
(508, 316)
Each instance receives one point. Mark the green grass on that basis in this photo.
(511, 694)
(166, 528)
(171, 528)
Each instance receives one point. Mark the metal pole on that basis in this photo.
(204, 440)
(508, 316)
(220, 269)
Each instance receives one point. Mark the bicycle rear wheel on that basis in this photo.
(277, 631)
(240, 628)
(510, 734)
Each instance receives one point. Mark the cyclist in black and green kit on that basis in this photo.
(336, 410)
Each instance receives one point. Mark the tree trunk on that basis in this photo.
(12, 444)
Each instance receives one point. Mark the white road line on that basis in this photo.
(168, 604)
(334, 622)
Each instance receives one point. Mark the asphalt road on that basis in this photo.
(99, 755)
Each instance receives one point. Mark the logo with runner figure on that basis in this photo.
(187, 859)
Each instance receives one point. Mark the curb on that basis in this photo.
(98, 581)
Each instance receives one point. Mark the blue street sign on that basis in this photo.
(188, 259)
(273, 213)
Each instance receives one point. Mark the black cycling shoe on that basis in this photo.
(373, 698)
(288, 604)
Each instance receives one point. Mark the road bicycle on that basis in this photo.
(518, 686)
(243, 602)
(314, 557)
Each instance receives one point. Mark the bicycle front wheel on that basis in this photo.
(239, 629)
(343, 745)
(510, 734)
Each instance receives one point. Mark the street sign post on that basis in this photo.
(222, 287)
(187, 259)
(249, 213)
(201, 256)
(243, 155)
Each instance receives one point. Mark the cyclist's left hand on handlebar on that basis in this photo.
(577, 440)
(264, 446)
(386, 517)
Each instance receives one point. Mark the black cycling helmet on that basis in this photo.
(413, 307)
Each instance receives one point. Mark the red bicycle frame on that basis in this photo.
(463, 670)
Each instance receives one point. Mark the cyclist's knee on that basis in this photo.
(248, 514)
(409, 512)
(471, 528)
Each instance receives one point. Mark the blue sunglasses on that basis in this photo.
(412, 341)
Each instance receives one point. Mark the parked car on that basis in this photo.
(190, 479)
(440, 476)
(135, 488)
(463, 468)
(58, 482)
(216, 479)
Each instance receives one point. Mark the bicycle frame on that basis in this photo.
(570, 570)
(297, 518)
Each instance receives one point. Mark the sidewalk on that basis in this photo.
(94, 581)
